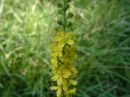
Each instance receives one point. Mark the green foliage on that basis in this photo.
(103, 39)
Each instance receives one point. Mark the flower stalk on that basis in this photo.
(63, 48)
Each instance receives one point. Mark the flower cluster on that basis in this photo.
(63, 53)
(63, 69)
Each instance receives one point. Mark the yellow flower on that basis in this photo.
(57, 48)
(59, 92)
(66, 73)
(73, 82)
(59, 81)
(54, 61)
(71, 91)
(55, 77)
(54, 88)
(69, 38)
(73, 70)
(69, 54)
(59, 37)
(63, 37)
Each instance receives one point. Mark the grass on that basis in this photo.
(103, 45)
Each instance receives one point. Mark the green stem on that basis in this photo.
(64, 16)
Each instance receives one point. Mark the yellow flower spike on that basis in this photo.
(63, 54)
(63, 70)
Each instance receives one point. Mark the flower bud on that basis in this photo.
(60, 22)
(67, 1)
(70, 15)
(60, 4)
(69, 24)
(66, 7)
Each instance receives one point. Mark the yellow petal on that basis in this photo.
(73, 70)
(55, 54)
(58, 38)
(58, 93)
(59, 81)
(54, 61)
(54, 88)
(53, 46)
(70, 42)
(71, 91)
(59, 53)
(55, 77)
(61, 45)
(73, 82)
(65, 88)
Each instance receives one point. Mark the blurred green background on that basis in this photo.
(102, 28)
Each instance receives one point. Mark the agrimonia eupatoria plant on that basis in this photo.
(63, 48)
